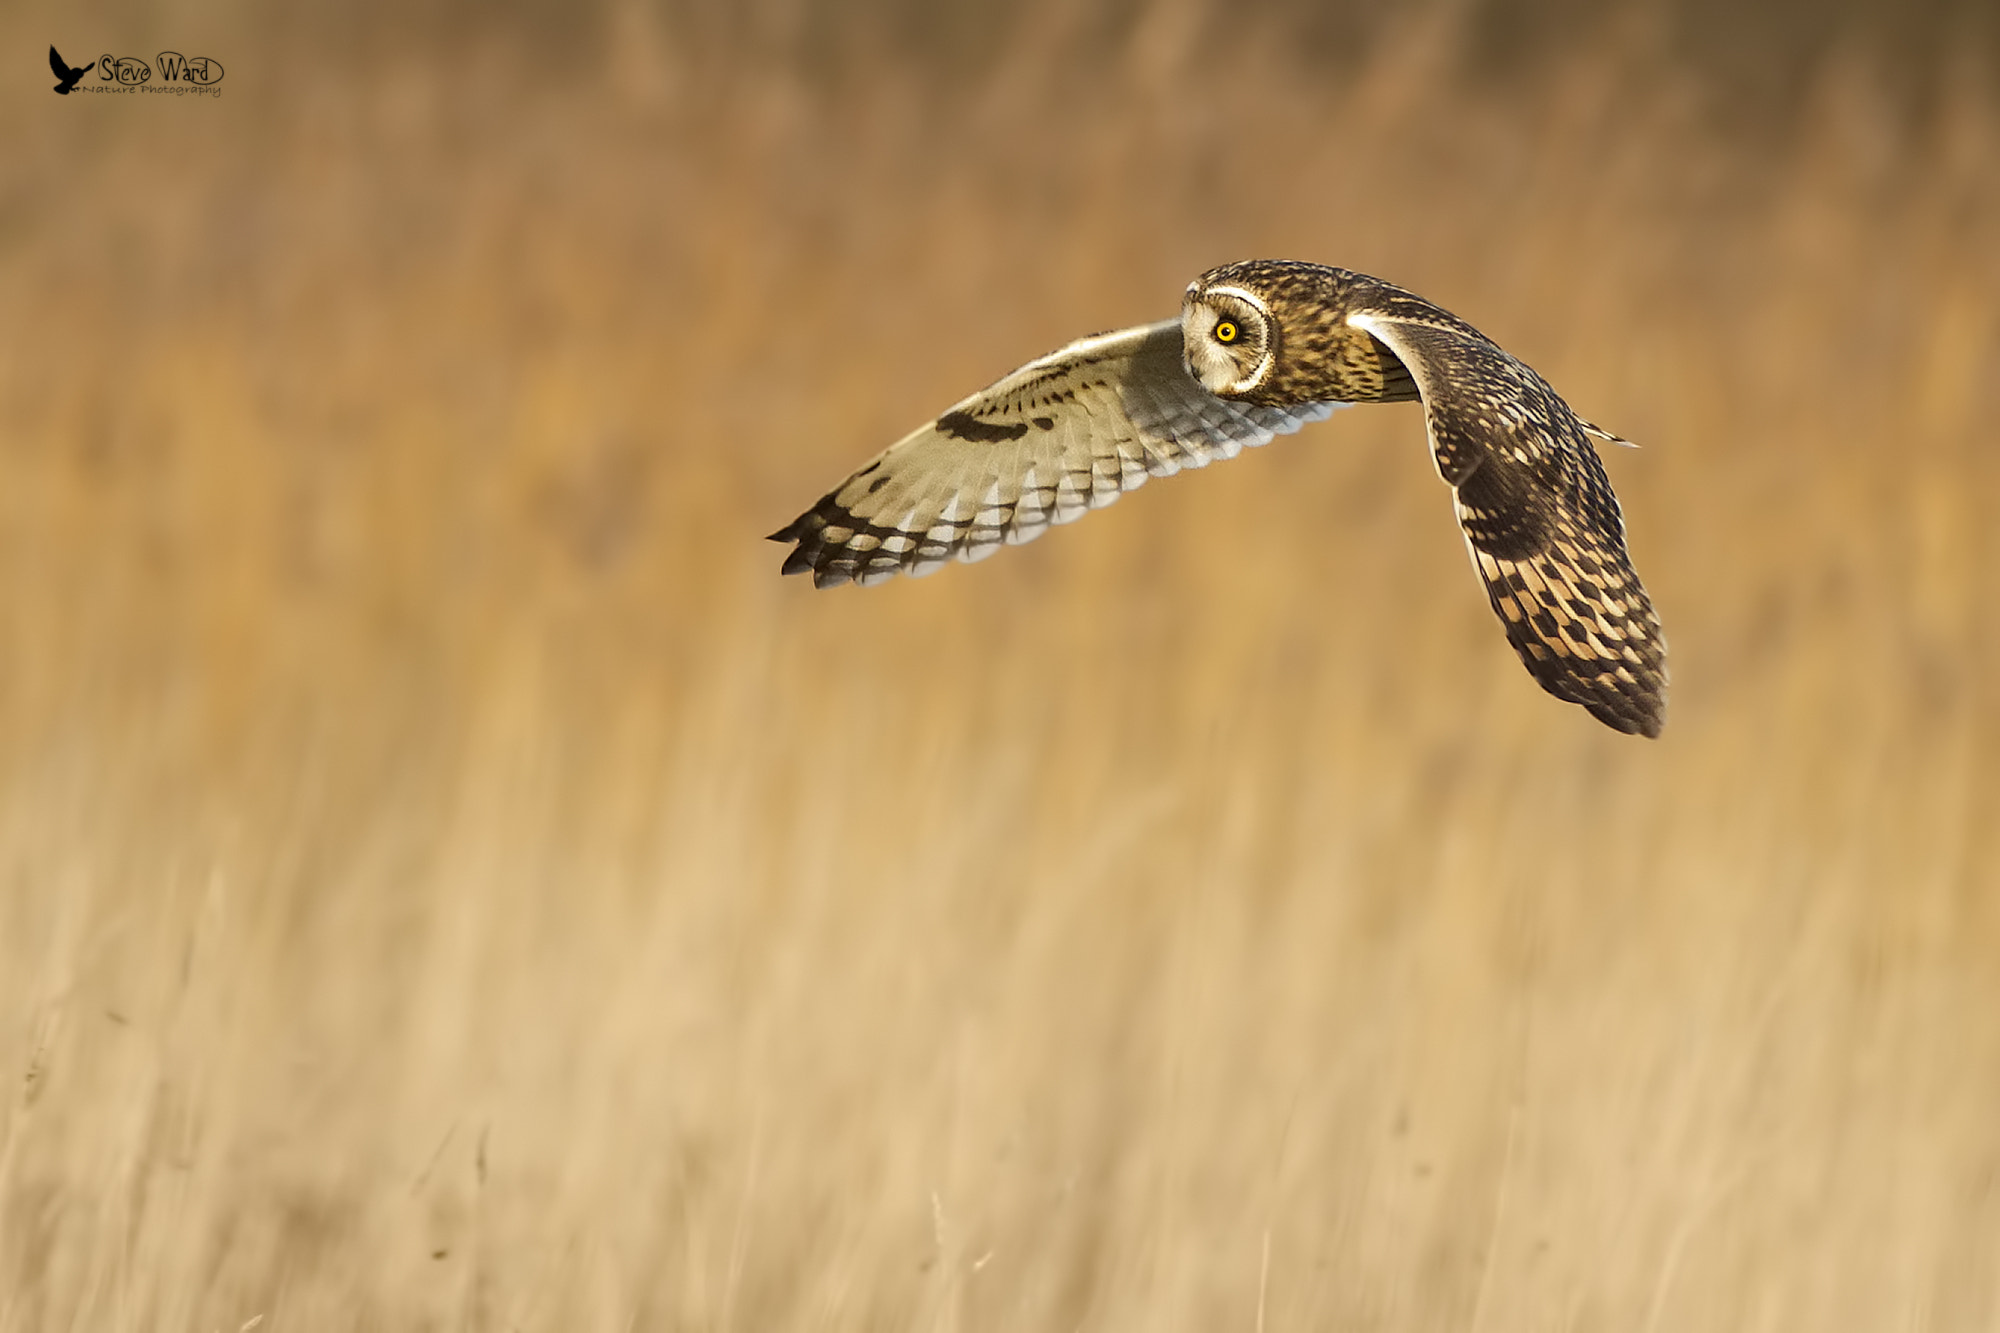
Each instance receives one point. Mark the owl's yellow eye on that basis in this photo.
(1225, 332)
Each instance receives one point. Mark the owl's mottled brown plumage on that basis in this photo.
(1261, 348)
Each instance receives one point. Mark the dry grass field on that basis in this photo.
(448, 880)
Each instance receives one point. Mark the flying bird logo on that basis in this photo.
(67, 77)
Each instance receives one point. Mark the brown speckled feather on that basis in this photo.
(1539, 517)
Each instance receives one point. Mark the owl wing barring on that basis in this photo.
(1061, 436)
(1540, 521)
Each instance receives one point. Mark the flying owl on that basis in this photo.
(1261, 348)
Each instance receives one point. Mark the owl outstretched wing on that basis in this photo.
(1062, 435)
(1540, 521)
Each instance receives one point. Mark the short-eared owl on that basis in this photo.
(1261, 348)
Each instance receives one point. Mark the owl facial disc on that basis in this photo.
(1226, 339)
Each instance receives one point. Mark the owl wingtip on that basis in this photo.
(1646, 717)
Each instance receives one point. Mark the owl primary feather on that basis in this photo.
(1261, 348)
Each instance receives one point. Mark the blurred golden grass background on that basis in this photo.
(448, 880)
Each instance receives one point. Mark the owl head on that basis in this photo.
(1229, 338)
(1275, 332)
